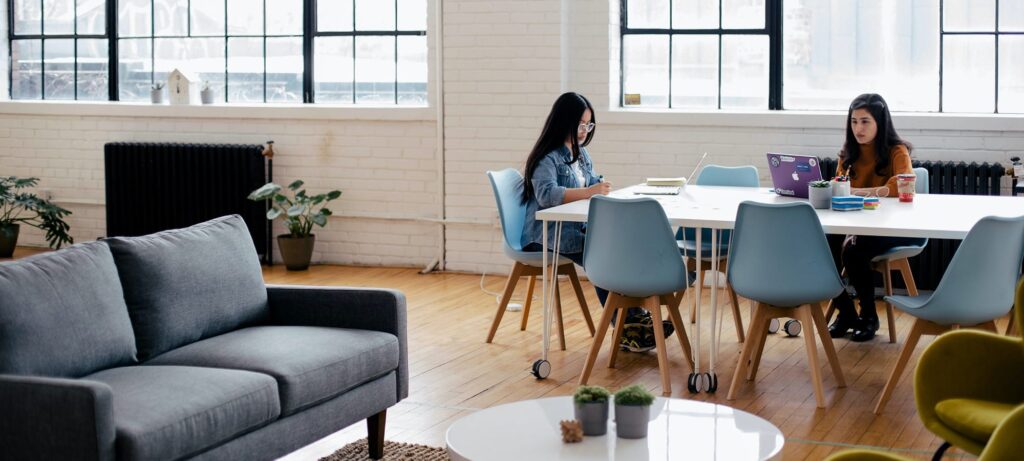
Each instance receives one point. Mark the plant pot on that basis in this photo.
(8, 239)
(593, 416)
(156, 96)
(206, 96)
(296, 252)
(631, 421)
(820, 197)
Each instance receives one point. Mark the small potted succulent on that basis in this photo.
(632, 412)
(591, 409)
(156, 94)
(819, 193)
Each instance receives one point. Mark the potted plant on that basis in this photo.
(156, 95)
(300, 212)
(819, 193)
(632, 412)
(19, 207)
(591, 409)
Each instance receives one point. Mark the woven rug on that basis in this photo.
(393, 451)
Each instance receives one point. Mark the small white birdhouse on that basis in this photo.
(183, 87)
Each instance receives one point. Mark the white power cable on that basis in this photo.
(513, 307)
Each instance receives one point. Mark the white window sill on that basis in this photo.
(235, 111)
(809, 119)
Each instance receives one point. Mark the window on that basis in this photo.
(696, 54)
(922, 55)
(360, 52)
(58, 49)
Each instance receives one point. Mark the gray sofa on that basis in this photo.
(170, 346)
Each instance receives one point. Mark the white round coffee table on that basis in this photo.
(679, 429)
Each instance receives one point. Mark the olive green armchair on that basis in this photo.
(969, 388)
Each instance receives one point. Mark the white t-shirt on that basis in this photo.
(577, 171)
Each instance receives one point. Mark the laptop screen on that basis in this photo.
(791, 173)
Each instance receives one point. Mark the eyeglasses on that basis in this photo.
(586, 127)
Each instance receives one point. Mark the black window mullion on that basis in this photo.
(997, 35)
(112, 50)
(719, 104)
(942, 43)
(670, 40)
(264, 52)
(623, 20)
(773, 22)
(74, 49)
(354, 50)
(309, 30)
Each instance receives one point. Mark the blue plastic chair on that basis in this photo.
(781, 260)
(686, 238)
(977, 288)
(508, 190)
(897, 258)
(630, 251)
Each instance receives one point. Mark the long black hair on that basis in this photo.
(563, 123)
(885, 139)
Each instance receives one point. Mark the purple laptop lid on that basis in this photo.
(791, 173)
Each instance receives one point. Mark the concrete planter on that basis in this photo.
(820, 197)
(631, 421)
(593, 416)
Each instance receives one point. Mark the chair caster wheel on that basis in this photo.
(793, 328)
(712, 382)
(773, 326)
(691, 383)
(541, 369)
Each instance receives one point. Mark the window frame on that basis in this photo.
(309, 34)
(772, 28)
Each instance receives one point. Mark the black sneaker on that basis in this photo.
(636, 338)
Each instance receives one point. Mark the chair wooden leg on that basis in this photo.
(920, 327)
(510, 287)
(653, 305)
(375, 434)
(748, 348)
(677, 322)
(803, 314)
(575, 280)
(903, 265)
(558, 311)
(613, 346)
(887, 284)
(759, 335)
(737, 319)
(526, 304)
(827, 344)
(602, 329)
(1011, 327)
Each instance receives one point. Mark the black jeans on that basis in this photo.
(856, 258)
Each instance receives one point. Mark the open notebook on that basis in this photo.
(666, 186)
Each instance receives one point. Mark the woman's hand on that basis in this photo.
(601, 188)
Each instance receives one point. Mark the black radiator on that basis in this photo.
(957, 178)
(153, 187)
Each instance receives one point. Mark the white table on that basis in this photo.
(679, 429)
(714, 207)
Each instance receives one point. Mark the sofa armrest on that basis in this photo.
(342, 307)
(969, 364)
(56, 418)
(1007, 442)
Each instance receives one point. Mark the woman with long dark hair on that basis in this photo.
(872, 156)
(559, 170)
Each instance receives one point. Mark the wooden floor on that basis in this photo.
(453, 372)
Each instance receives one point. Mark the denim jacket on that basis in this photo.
(552, 176)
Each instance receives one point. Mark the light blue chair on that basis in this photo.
(977, 288)
(630, 252)
(897, 258)
(686, 238)
(508, 190)
(781, 261)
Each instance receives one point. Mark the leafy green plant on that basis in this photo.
(634, 395)
(20, 207)
(300, 211)
(591, 394)
(820, 183)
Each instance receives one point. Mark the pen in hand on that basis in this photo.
(601, 187)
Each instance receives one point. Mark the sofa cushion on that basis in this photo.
(188, 284)
(975, 419)
(175, 412)
(62, 314)
(311, 364)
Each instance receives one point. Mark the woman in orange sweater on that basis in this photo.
(872, 156)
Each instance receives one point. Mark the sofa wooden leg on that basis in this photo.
(375, 434)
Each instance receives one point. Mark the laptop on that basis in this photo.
(791, 173)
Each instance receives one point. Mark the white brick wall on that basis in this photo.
(504, 62)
